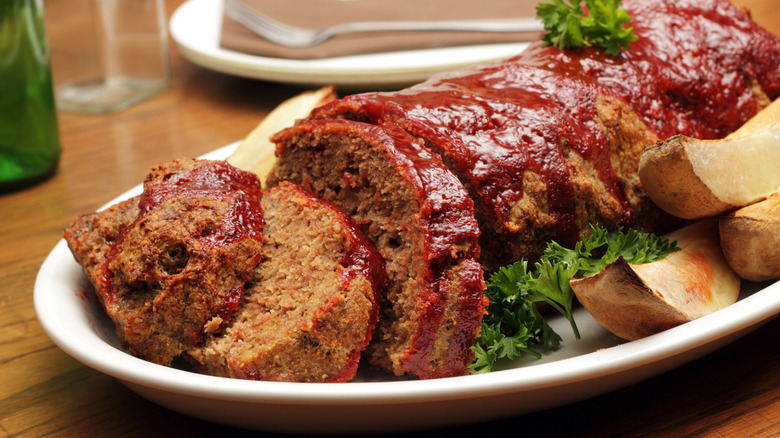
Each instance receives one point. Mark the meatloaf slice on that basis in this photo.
(176, 270)
(422, 222)
(311, 304)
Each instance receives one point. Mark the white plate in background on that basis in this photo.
(196, 25)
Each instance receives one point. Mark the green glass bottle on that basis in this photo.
(29, 135)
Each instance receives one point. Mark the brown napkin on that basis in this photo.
(320, 13)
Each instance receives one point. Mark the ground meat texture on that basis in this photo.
(548, 142)
(312, 303)
(91, 236)
(177, 271)
(422, 222)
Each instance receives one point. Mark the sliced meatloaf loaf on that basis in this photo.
(310, 306)
(170, 266)
(549, 141)
(198, 266)
(422, 222)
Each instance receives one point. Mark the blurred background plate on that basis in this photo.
(195, 27)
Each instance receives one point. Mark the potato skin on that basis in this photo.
(750, 238)
(634, 301)
(624, 304)
(671, 183)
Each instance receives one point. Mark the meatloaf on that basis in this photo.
(548, 142)
(204, 266)
(422, 222)
(177, 270)
(311, 304)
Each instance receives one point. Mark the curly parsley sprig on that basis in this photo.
(514, 326)
(566, 26)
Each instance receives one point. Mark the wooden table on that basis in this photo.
(732, 392)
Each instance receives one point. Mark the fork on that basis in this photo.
(291, 36)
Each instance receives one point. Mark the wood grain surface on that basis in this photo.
(44, 392)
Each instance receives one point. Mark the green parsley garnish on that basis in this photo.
(566, 27)
(514, 326)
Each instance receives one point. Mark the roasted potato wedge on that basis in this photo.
(750, 238)
(692, 178)
(634, 301)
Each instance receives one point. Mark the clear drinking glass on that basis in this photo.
(29, 135)
(109, 54)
